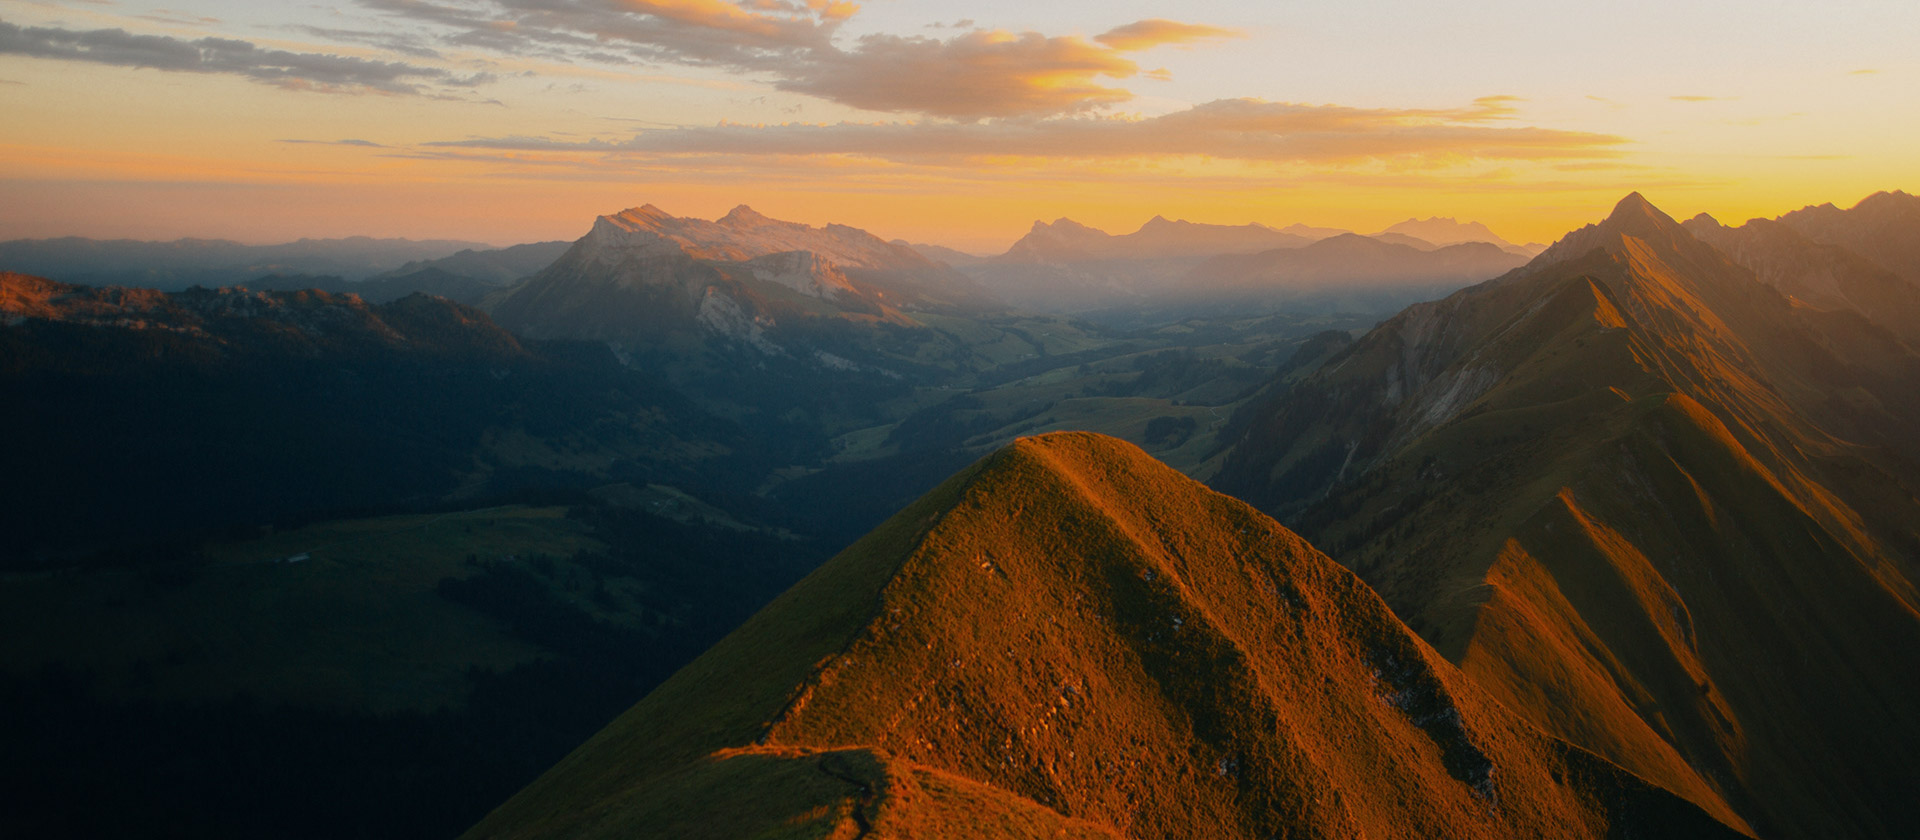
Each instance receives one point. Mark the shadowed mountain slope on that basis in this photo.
(1651, 504)
(1819, 274)
(1883, 227)
(152, 414)
(1070, 639)
(492, 267)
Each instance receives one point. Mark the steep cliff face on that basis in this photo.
(1071, 639)
(1606, 483)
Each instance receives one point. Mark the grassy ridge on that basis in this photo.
(1083, 637)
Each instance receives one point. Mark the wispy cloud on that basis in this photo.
(1231, 129)
(304, 71)
(686, 32)
(1147, 34)
(397, 42)
(369, 144)
(178, 18)
(971, 74)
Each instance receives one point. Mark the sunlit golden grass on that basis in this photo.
(1072, 637)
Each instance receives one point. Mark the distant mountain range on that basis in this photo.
(1444, 231)
(1178, 269)
(1347, 272)
(172, 266)
(1066, 240)
(1059, 267)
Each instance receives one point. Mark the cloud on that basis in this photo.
(966, 75)
(687, 32)
(391, 41)
(177, 18)
(1147, 34)
(301, 71)
(369, 144)
(1229, 129)
(971, 76)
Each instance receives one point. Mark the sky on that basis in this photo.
(955, 123)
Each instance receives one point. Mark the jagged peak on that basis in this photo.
(1703, 220)
(1885, 198)
(646, 211)
(1063, 226)
(1634, 205)
(743, 215)
(1634, 216)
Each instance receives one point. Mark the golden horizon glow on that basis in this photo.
(391, 126)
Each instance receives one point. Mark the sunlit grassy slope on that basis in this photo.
(1650, 504)
(1071, 639)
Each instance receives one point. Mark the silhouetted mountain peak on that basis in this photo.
(1635, 212)
(1064, 225)
(1887, 199)
(1446, 230)
(1633, 217)
(744, 216)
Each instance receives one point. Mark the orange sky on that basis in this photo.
(952, 123)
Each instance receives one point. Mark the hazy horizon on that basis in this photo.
(982, 249)
(496, 122)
